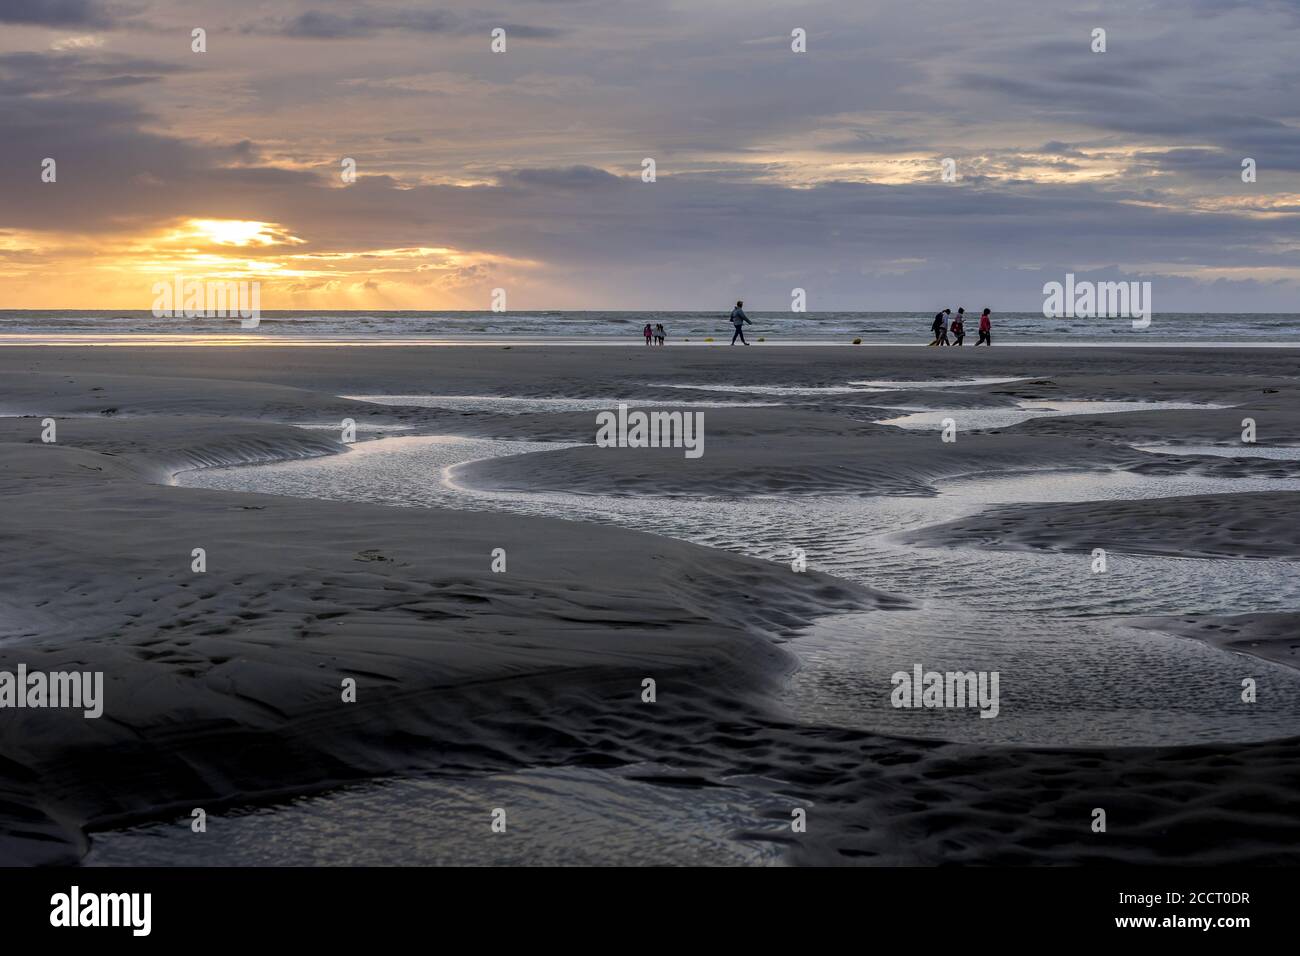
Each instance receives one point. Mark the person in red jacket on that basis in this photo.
(986, 330)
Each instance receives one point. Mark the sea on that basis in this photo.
(110, 326)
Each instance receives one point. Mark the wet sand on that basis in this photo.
(1245, 525)
(223, 688)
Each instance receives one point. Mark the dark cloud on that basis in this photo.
(76, 72)
(321, 25)
(865, 141)
(1058, 148)
(56, 13)
(574, 177)
(363, 22)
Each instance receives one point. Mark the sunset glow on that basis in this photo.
(237, 232)
(384, 158)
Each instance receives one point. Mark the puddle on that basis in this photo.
(849, 388)
(361, 427)
(567, 816)
(792, 390)
(1276, 452)
(890, 385)
(523, 406)
(1061, 681)
(970, 419)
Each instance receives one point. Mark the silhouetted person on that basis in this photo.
(738, 319)
(940, 328)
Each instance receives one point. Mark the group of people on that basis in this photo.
(943, 327)
(657, 335)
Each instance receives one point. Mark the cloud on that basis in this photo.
(329, 26)
(775, 169)
(88, 42)
(56, 13)
(366, 21)
(82, 71)
(570, 178)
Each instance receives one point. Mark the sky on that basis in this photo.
(774, 170)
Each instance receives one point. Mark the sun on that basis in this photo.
(235, 232)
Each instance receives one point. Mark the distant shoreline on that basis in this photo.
(236, 340)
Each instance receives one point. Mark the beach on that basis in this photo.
(498, 589)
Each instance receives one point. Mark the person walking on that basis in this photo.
(959, 327)
(938, 327)
(739, 319)
(986, 330)
(647, 332)
(660, 334)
